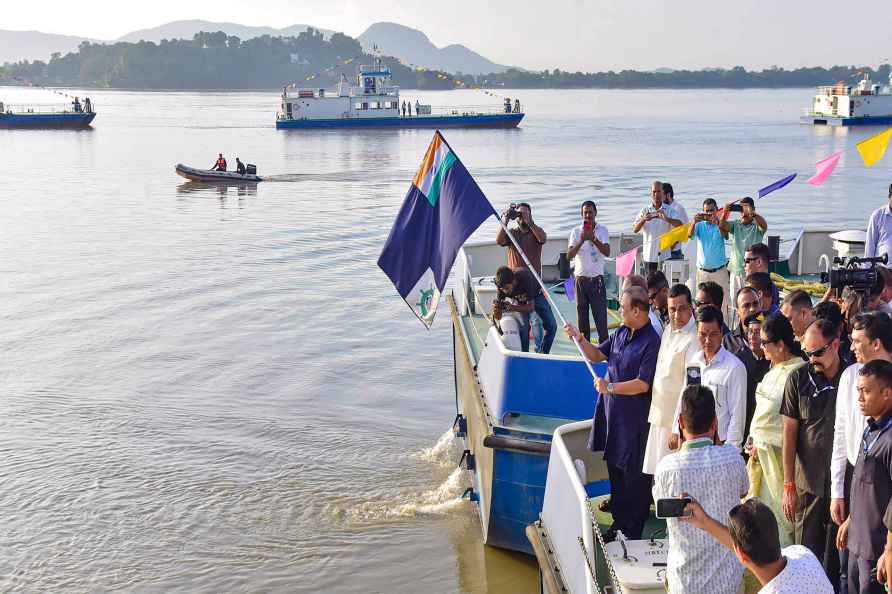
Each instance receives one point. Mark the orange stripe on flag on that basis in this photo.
(428, 161)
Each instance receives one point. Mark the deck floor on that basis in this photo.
(562, 345)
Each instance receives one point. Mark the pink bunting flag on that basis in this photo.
(824, 168)
(625, 263)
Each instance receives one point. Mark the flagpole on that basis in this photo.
(526, 261)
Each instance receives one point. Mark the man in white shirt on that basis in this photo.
(678, 345)
(723, 374)
(752, 535)
(716, 476)
(871, 339)
(589, 244)
(879, 231)
(651, 222)
(676, 215)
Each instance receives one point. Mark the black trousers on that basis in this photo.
(630, 497)
(591, 295)
(814, 529)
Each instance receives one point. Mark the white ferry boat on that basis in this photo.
(843, 105)
(374, 102)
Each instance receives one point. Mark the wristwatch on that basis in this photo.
(610, 388)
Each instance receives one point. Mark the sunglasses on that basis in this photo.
(701, 303)
(817, 352)
(751, 260)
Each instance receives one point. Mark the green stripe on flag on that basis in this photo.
(434, 193)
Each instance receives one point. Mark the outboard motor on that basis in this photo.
(250, 169)
(512, 325)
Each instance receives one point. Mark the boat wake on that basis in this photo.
(395, 505)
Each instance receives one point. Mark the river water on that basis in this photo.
(216, 390)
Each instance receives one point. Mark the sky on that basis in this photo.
(587, 35)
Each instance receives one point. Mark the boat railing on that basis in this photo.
(38, 108)
(566, 514)
(461, 110)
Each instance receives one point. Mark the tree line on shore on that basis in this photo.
(220, 61)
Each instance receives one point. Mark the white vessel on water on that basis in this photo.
(374, 102)
(844, 105)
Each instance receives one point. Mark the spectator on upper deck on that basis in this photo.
(749, 229)
(651, 223)
(588, 246)
(712, 263)
(675, 215)
(528, 235)
(879, 231)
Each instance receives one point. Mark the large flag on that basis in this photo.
(873, 149)
(443, 207)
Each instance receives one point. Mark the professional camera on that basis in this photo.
(852, 273)
(512, 212)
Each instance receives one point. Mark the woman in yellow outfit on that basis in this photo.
(766, 431)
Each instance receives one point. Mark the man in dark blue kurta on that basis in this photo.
(620, 424)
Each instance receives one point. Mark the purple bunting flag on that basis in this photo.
(570, 288)
(776, 185)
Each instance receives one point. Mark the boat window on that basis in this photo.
(361, 105)
(374, 105)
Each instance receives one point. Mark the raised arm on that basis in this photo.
(592, 353)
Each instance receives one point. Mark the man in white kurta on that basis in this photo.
(678, 346)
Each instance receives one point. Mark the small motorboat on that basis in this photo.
(210, 175)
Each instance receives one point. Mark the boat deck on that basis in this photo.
(479, 325)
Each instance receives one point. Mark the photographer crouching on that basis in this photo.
(529, 236)
(520, 293)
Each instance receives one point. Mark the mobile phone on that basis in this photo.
(693, 376)
(672, 507)
(587, 226)
(736, 208)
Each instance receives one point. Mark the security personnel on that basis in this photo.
(239, 166)
(220, 165)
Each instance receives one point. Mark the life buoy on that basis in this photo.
(857, 104)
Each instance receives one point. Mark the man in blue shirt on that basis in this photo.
(879, 231)
(620, 426)
(712, 263)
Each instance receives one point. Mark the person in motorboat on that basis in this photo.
(220, 164)
(239, 166)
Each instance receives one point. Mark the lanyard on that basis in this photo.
(869, 446)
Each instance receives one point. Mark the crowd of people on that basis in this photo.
(733, 395)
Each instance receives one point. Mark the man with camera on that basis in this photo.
(528, 235)
(525, 297)
(651, 222)
(712, 263)
(748, 229)
(879, 231)
(588, 245)
(716, 476)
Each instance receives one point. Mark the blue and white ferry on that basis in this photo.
(374, 102)
(68, 115)
(866, 103)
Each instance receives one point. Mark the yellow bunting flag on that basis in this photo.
(873, 149)
(675, 235)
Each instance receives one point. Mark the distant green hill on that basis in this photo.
(215, 61)
(312, 59)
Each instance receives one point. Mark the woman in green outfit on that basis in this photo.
(766, 431)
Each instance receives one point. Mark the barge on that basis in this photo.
(46, 116)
